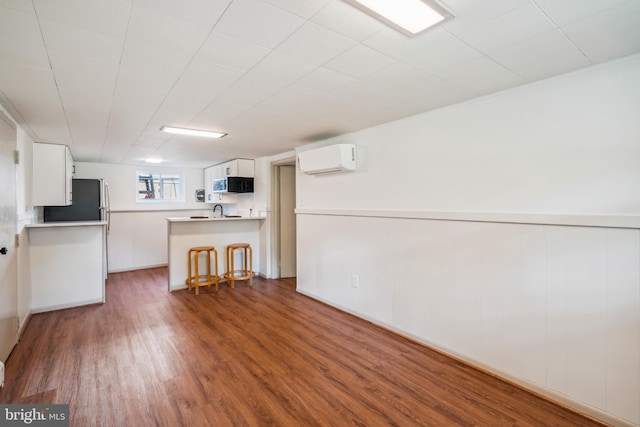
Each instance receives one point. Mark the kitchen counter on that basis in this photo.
(209, 219)
(186, 232)
(66, 224)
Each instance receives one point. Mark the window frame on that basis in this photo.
(161, 175)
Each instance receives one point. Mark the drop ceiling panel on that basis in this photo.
(472, 13)
(304, 9)
(150, 66)
(21, 5)
(567, 11)
(154, 29)
(542, 56)
(204, 13)
(360, 61)
(315, 44)
(613, 33)
(324, 79)
(108, 17)
(345, 19)
(74, 40)
(29, 54)
(513, 27)
(19, 26)
(399, 46)
(97, 77)
(231, 52)
(447, 53)
(258, 23)
(481, 76)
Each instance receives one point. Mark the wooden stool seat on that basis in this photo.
(195, 279)
(246, 272)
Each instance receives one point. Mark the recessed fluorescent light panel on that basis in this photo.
(153, 160)
(410, 17)
(193, 132)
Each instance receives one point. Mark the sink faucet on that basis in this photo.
(221, 211)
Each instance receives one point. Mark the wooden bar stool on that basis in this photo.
(246, 272)
(195, 279)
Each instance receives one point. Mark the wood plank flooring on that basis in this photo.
(261, 356)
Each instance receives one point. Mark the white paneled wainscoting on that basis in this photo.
(555, 308)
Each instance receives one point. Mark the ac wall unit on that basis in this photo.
(331, 158)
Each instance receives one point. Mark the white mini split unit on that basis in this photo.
(331, 158)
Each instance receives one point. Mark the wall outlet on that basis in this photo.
(354, 281)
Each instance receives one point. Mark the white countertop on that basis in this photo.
(67, 224)
(189, 219)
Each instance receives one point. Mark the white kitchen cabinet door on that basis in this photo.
(52, 175)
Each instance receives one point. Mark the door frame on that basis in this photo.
(275, 213)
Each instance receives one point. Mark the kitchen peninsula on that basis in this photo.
(184, 233)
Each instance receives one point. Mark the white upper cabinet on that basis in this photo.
(238, 167)
(52, 175)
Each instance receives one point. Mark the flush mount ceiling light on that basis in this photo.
(153, 160)
(410, 17)
(193, 132)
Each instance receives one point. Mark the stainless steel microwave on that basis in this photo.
(233, 184)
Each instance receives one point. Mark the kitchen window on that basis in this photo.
(159, 187)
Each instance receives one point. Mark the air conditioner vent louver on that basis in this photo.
(332, 158)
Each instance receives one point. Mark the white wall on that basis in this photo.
(556, 308)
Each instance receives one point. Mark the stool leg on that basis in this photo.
(232, 272)
(250, 266)
(217, 278)
(208, 268)
(189, 270)
(197, 276)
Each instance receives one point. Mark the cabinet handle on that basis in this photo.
(3, 251)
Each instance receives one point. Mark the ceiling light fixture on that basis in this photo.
(193, 132)
(410, 17)
(153, 160)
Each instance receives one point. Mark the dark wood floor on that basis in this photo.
(265, 356)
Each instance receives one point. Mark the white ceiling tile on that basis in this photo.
(109, 17)
(305, 9)
(399, 46)
(613, 33)
(446, 54)
(542, 56)
(315, 44)
(471, 13)
(360, 61)
(258, 23)
(151, 67)
(20, 83)
(31, 54)
(154, 29)
(200, 12)
(231, 52)
(563, 12)
(431, 92)
(481, 76)
(510, 28)
(388, 79)
(97, 77)
(19, 26)
(345, 19)
(324, 79)
(21, 5)
(79, 41)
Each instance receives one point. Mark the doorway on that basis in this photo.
(284, 224)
